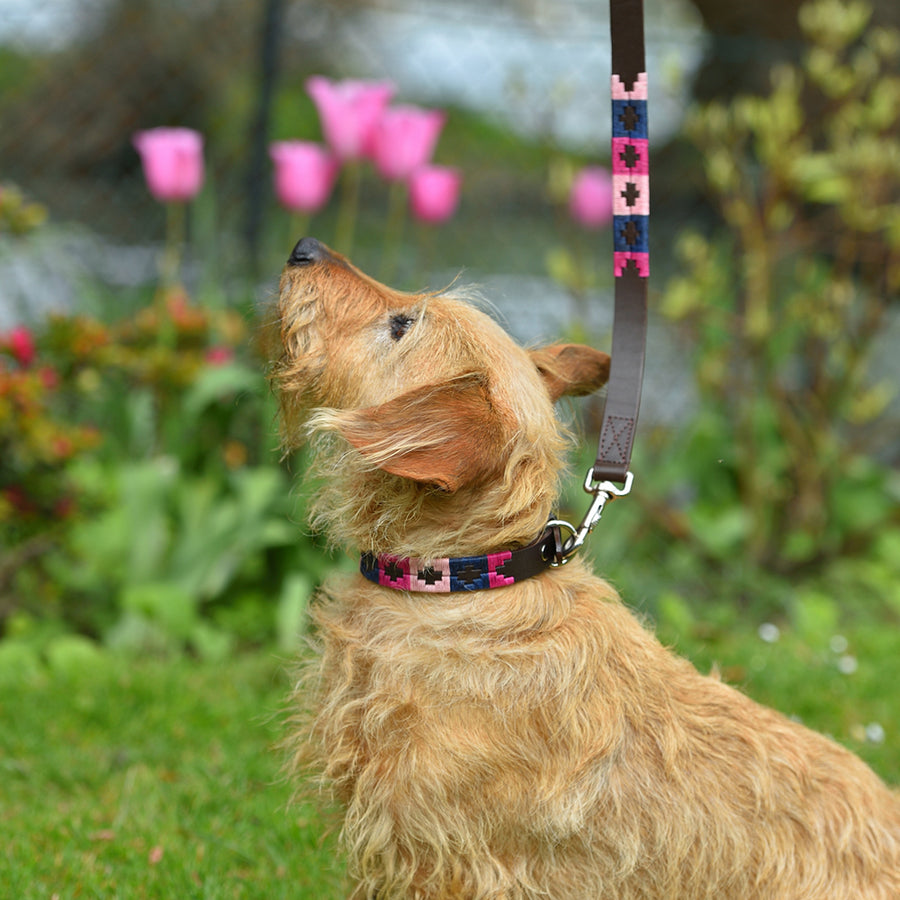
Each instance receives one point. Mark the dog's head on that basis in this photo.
(424, 387)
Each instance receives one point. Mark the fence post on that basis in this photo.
(257, 182)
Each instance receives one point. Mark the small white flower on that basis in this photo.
(768, 632)
(839, 644)
(874, 733)
(847, 665)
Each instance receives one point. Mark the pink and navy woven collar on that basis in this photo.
(462, 573)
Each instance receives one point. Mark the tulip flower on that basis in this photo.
(434, 193)
(402, 142)
(404, 139)
(591, 197)
(172, 159)
(304, 175)
(348, 112)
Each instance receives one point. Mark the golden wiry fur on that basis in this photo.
(533, 741)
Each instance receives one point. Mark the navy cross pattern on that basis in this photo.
(630, 165)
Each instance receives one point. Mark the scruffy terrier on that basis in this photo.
(494, 727)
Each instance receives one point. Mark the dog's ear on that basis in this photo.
(571, 369)
(444, 435)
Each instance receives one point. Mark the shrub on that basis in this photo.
(140, 497)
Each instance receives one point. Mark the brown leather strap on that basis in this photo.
(630, 248)
(623, 398)
(626, 30)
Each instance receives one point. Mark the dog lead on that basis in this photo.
(631, 267)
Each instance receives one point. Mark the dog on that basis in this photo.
(492, 731)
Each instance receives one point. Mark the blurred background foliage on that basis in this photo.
(143, 502)
(790, 463)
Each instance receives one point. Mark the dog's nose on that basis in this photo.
(307, 251)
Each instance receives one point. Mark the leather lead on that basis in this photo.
(630, 167)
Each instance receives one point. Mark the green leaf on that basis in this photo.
(721, 531)
(291, 612)
(674, 613)
(19, 661)
(165, 604)
(70, 654)
(212, 644)
(218, 382)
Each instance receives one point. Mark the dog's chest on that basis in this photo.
(498, 728)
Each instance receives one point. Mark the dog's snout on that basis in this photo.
(307, 251)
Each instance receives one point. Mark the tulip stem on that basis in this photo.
(393, 230)
(427, 241)
(170, 264)
(346, 223)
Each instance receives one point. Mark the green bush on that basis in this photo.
(142, 500)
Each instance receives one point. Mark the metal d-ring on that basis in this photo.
(602, 492)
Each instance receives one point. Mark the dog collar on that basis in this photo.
(462, 573)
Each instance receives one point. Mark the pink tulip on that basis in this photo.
(349, 112)
(434, 193)
(172, 159)
(591, 198)
(20, 343)
(304, 175)
(404, 140)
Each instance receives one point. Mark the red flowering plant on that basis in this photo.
(37, 441)
(135, 376)
(87, 411)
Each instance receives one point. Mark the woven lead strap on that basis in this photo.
(631, 257)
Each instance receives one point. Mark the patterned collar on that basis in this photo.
(462, 573)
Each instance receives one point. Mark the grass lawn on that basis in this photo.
(154, 780)
(161, 779)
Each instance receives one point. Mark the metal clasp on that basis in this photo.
(602, 492)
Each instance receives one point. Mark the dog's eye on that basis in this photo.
(400, 324)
